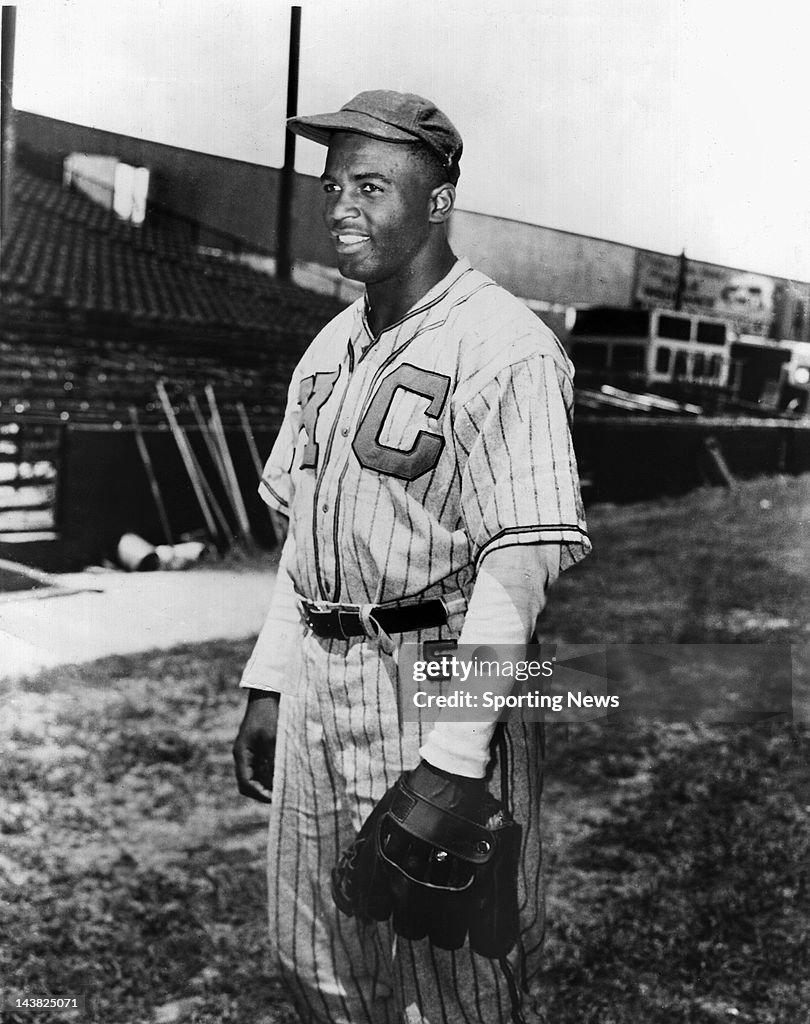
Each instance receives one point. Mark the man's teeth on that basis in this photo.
(352, 239)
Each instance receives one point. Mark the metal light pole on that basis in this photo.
(7, 134)
(285, 198)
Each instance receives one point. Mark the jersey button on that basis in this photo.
(345, 431)
(324, 508)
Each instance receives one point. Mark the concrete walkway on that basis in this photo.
(132, 612)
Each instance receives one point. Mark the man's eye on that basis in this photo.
(330, 186)
(369, 187)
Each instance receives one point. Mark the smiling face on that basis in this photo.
(380, 208)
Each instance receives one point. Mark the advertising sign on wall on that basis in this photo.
(750, 301)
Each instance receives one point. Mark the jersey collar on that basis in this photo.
(459, 268)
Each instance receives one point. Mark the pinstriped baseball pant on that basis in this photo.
(340, 746)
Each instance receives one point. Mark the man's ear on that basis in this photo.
(442, 201)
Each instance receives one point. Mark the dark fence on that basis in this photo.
(639, 458)
(103, 490)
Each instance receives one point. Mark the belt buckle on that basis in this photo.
(308, 612)
(314, 618)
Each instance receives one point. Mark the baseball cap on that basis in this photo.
(391, 117)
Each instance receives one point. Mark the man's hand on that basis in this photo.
(439, 855)
(254, 748)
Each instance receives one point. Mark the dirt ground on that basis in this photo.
(101, 612)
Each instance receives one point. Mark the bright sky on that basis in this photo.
(659, 123)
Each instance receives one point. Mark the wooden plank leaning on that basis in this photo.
(189, 461)
(235, 493)
(251, 440)
(140, 441)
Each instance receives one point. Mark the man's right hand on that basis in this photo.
(254, 748)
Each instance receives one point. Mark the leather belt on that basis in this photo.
(342, 623)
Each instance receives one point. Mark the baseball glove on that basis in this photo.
(441, 865)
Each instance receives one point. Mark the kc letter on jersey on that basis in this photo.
(391, 415)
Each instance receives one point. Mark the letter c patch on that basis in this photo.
(423, 455)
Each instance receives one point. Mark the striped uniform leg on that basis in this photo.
(340, 747)
(330, 965)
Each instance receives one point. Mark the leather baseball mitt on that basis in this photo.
(439, 855)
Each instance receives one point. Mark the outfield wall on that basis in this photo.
(542, 263)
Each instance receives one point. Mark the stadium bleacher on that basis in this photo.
(95, 311)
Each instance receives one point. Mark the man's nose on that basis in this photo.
(341, 207)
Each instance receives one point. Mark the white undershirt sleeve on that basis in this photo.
(507, 598)
(273, 665)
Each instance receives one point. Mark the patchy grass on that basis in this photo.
(684, 894)
(677, 855)
(713, 567)
(131, 871)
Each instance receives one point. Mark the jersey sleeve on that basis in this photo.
(519, 479)
(276, 485)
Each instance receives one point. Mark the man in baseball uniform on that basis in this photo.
(426, 470)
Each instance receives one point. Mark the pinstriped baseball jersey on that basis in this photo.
(404, 460)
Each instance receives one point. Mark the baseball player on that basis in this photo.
(426, 471)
